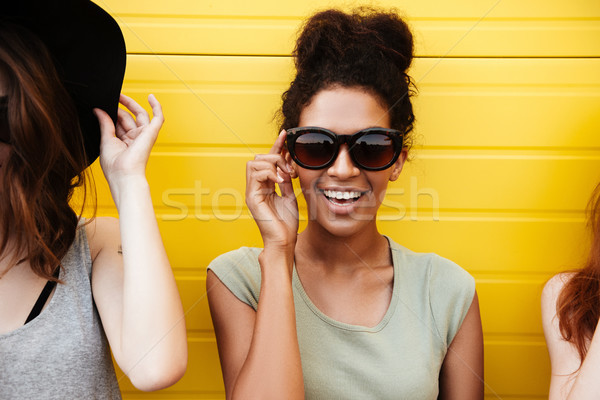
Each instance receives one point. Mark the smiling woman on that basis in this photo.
(339, 310)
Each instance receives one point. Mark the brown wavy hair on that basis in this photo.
(578, 305)
(46, 158)
(368, 48)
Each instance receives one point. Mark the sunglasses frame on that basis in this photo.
(350, 140)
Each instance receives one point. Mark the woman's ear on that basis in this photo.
(397, 168)
(291, 164)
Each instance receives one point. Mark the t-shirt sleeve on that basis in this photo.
(451, 292)
(239, 271)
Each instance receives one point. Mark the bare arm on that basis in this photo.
(568, 382)
(259, 352)
(461, 376)
(135, 292)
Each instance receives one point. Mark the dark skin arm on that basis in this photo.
(259, 351)
(461, 376)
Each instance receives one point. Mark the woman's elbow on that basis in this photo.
(156, 377)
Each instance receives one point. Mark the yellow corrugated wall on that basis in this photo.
(508, 151)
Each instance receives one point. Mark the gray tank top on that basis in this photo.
(63, 353)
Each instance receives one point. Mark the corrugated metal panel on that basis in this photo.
(458, 28)
(507, 151)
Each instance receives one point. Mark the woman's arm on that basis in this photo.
(461, 376)
(135, 292)
(259, 352)
(568, 381)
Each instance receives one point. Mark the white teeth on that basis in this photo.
(341, 195)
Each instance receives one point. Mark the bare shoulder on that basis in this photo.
(564, 357)
(103, 232)
(552, 290)
(557, 346)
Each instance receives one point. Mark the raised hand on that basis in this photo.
(276, 215)
(124, 151)
(134, 290)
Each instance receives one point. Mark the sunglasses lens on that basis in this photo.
(374, 150)
(314, 149)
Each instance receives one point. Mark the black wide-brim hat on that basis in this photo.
(88, 50)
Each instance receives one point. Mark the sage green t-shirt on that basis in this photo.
(401, 357)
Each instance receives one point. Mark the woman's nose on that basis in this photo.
(343, 167)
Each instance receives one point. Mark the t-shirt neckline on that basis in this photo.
(350, 327)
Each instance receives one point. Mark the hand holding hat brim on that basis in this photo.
(124, 150)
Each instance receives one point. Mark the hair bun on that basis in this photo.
(395, 37)
(332, 36)
(369, 49)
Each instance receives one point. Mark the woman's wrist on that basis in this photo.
(127, 186)
(281, 241)
(277, 258)
(280, 249)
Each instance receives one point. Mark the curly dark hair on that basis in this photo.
(46, 158)
(368, 48)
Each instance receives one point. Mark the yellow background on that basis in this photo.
(508, 151)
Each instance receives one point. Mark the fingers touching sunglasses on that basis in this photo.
(372, 149)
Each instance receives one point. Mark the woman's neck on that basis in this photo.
(368, 247)
(9, 257)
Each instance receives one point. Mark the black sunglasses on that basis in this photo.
(4, 131)
(372, 149)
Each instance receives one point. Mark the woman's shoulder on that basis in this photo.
(239, 271)
(552, 290)
(558, 281)
(101, 232)
(438, 269)
(448, 288)
(563, 353)
(244, 257)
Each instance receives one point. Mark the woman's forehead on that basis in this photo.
(344, 110)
